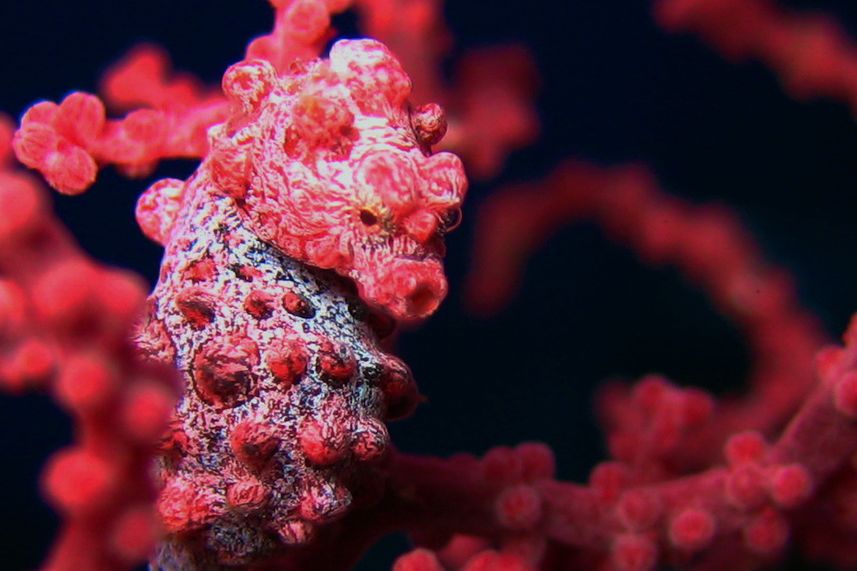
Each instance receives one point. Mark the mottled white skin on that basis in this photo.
(301, 494)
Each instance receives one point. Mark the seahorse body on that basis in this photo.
(320, 177)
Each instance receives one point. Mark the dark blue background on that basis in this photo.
(615, 89)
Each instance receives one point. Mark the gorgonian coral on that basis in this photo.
(312, 225)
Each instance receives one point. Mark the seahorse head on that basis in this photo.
(329, 163)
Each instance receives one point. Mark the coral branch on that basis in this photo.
(64, 328)
(811, 54)
(712, 250)
(630, 524)
(69, 142)
(301, 28)
(144, 78)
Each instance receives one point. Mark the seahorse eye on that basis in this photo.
(368, 217)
